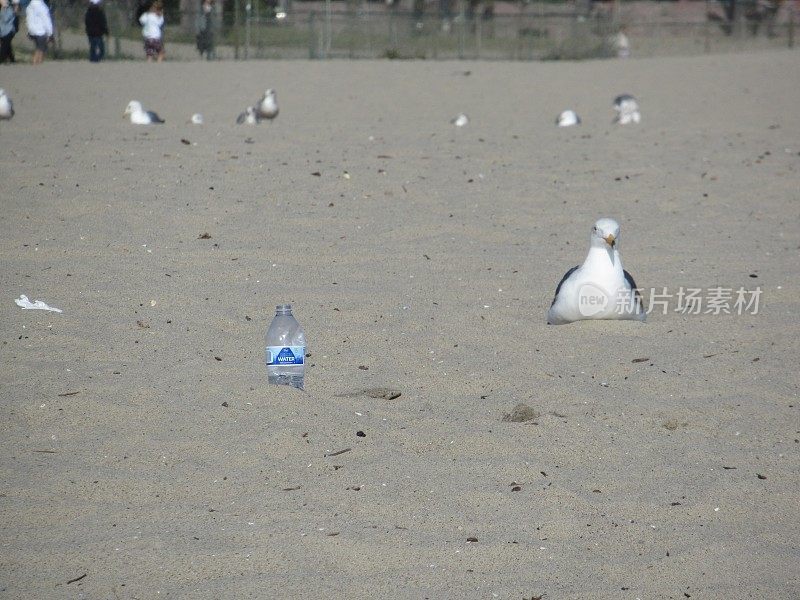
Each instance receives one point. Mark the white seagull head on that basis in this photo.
(605, 234)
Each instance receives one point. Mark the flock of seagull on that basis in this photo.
(625, 105)
(265, 109)
(598, 289)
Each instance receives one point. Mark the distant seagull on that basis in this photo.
(249, 116)
(460, 120)
(197, 119)
(568, 118)
(6, 106)
(267, 107)
(627, 110)
(600, 288)
(139, 116)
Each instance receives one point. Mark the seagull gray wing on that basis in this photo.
(634, 287)
(154, 118)
(563, 279)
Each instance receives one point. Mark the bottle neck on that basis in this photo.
(283, 310)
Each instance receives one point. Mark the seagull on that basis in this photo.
(460, 120)
(267, 107)
(196, 119)
(139, 116)
(6, 106)
(627, 110)
(568, 118)
(600, 288)
(249, 116)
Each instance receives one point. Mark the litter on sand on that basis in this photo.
(26, 304)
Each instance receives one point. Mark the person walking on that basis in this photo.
(96, 30)
(8, 29)
(40, 28)
(205, 30)
(152, 22)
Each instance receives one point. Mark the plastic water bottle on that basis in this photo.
(286, 349)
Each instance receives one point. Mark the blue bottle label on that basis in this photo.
(285, 355)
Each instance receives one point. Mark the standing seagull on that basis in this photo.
(6, 106)
(568, 118)
(249, 116)
(267, 107)
(627, 110)
(600, 288)
(139, 116)
(460, 121)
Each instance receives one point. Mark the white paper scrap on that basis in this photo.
(26, 304)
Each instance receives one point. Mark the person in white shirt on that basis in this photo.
(40, 28)
(152, 21)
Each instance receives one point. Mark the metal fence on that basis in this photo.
(466, 30)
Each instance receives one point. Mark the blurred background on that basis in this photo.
(438, 29)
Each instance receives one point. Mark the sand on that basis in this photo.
(143, 448)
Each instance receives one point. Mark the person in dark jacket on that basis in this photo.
(205, 30)
(9, 23)
(96, 29)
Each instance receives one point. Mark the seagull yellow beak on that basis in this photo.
(610, 239)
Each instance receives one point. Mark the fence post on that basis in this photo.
(739, 22)
(117, 29)
(236, 29)
(435, 42)
(369, 30)
(478, 29)
(351, 27)
(328, 30)
(55, 17)
(462, 29)
(312, 38)
(247, 12)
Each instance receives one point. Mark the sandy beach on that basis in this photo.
(144, 454)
